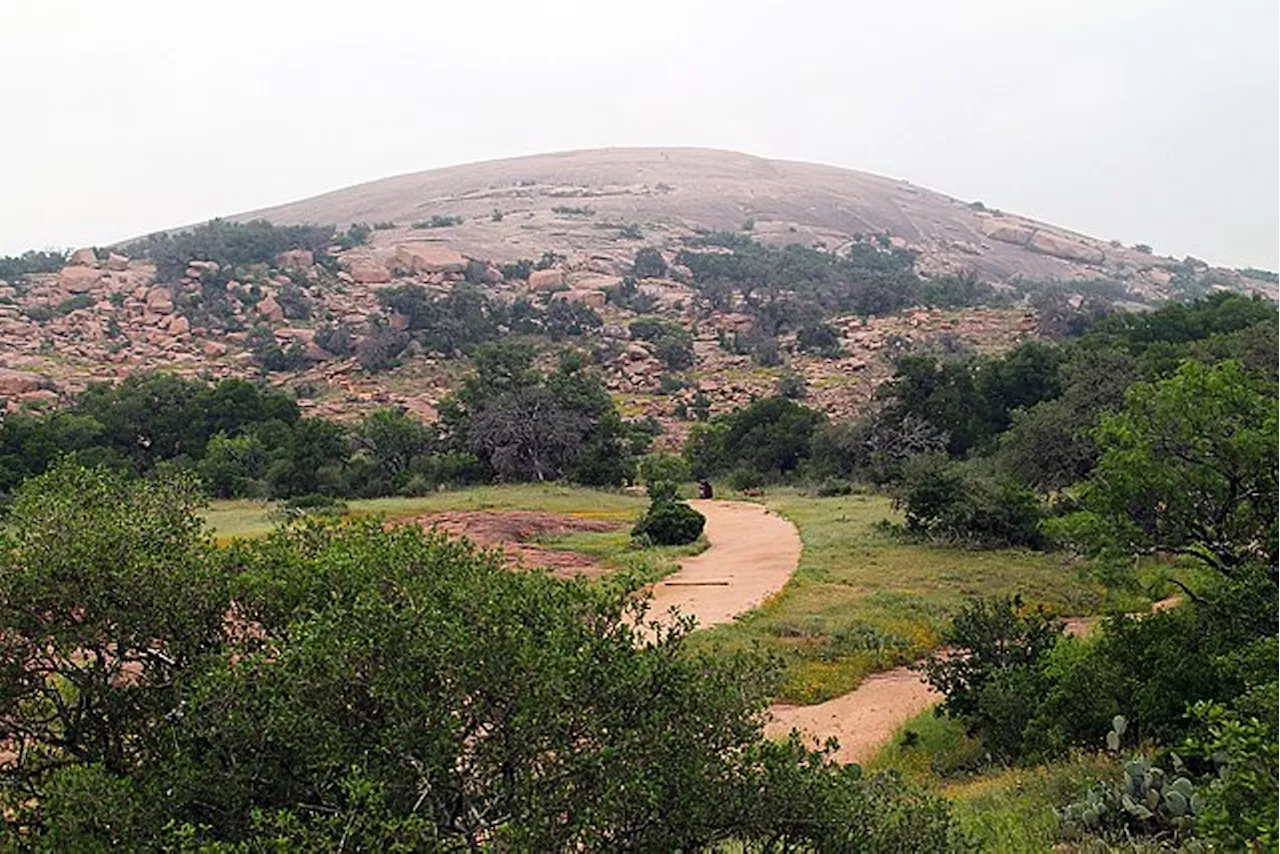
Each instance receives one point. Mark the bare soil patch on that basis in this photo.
(512, 531)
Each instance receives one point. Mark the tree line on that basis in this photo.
(507, 422)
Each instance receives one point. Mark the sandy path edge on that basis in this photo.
(752, 553)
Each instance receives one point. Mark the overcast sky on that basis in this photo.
(1152, 122)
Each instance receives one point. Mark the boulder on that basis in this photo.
(429, 258)
(159, 301)
(270, 309)
(1006, 230)
(78, 280)
(546, 280)
(117, 262)
(83, 258)
(1060, 246)
(179, 325)
(595, 299)
(13, 383)
(368, 271)
(296, 259)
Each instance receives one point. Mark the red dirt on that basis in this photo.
(512, 530)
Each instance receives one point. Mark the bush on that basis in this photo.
(649, 264)
(956, 502)
(439, 221)
(743, 479)
(991, 677)
(424, 696)
(664, 467)
(519, 270)
(670, 523)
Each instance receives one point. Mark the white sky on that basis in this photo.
(1138, 120)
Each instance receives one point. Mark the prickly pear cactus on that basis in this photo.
(1145, 801)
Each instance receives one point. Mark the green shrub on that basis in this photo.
(670, 523)
(74, 303)
(743, 479)
(649, 264)
(956, 502)
(568, 210)
(439, 221)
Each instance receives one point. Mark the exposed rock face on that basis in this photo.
(83, 258)
(14, 383)
(159, 301)
(595, 299)
(270, 309)
(78, 280)
(368, 271)
(546, 280)
(1006, 230)
(429, 258)
(1064, 247)
(295, 259)
(117, 262)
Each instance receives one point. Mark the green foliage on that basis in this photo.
(957, 502)
(819, 339)
(1239, 803)
(229, 244)
(268, 353)
(518, 270)
(629, 296)
(672, 343)
(74, 303)
(956, 292)
(771, 436)
(397, 691)
(972, 400)
(649, 264)
(868, 279)
(1188, 467)
(357, 234)
(457, 322)
(659, 468)
(669, 522)
(1259, 275)
(564, 319)
(439, 221)
(990, 677)
(1149, 803)
(15, 268)
(572, 210)
(523, 425)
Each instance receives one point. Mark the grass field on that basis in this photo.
(864, 600)
(613, 549)
(230, 519)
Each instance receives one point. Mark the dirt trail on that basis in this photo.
(866, 718)
(863, 720)
(752, 554)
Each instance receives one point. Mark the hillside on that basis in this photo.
(773, 270)
(672, 193)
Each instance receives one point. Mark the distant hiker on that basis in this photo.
(704, 489)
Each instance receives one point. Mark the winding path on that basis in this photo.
(751, 555)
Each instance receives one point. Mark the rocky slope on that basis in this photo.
(105, 315)
(670, 193)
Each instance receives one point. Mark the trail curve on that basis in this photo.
(751, 555)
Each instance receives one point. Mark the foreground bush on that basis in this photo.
(356, 687)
